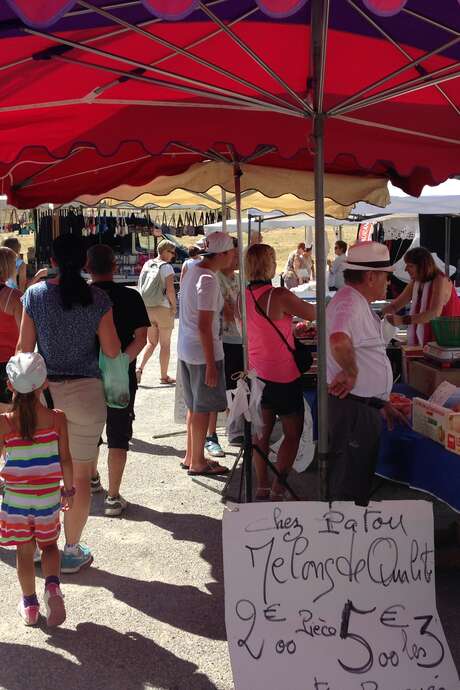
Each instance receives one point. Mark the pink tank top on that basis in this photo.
(268, 354)
(451, 308)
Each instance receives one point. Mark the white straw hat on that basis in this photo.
(217, 243)
(368, 256)
(26, 371)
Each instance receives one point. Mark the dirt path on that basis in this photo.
(149, 613)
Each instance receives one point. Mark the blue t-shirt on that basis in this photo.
(13, 282)
(66, 338)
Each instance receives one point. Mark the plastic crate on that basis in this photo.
(446, 331)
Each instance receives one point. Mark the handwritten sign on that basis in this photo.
(340, 598)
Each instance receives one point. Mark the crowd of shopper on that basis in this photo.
(54, 408)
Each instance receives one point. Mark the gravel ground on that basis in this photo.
(149, 613)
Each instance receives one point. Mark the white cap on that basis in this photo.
(201, 243)
(218, 243)
(26, 371)
(368, 256)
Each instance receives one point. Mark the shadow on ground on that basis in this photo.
(105, 659)
(182, 606)
(138, 446)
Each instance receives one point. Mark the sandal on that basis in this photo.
(168, 381)
(262, 493)
(209, 471)
(211, 463)
(279, 493)
(277, 496)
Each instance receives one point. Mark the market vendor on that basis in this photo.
(430, 294)
(359, 374)
(336, 280)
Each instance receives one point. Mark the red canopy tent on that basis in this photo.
(351, 86)
(109, 85)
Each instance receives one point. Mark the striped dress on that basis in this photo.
(32, 495)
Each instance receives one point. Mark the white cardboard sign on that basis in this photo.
(341, 598)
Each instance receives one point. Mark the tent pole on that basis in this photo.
(247, 449)
(320, 250)
(447, 230)
(319, 22)
(224, 210)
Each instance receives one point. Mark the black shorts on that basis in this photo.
(6, 396)
(233, 362)
(119, 425)
(283, 398)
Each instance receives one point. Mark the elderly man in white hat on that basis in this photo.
(359, 374)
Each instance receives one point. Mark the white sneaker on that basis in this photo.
(29, 614)
(114, 506)
(54, 604)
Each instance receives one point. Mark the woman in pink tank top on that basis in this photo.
(430, 293)
(274, 363)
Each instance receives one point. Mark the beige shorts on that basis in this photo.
(161, 317)
(83, 402)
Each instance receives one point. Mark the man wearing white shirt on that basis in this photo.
(359, 374)
(200, 349)
(336, 267)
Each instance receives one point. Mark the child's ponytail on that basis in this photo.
(25, 405)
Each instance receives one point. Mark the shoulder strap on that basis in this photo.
(269, 301)
(262, 313)
(8, 299)
(9, 422)
(54, 412)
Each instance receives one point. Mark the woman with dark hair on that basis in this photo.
(63, 316)
(430, 293)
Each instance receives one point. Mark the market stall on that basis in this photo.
(132, 232)
(395, 116)
(408, 457)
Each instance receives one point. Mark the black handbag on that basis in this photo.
(301, 353)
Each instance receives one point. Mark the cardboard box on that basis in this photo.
(409, 354)
(426, 377)
(453, 442)
(434, 421)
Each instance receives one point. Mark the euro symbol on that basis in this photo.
(390, 615)
(271, 614)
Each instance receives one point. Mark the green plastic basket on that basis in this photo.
(446, 330)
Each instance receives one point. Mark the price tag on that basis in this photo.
(340, 598)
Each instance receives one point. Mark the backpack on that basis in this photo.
(151, 285)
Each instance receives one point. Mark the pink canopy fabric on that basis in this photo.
(99, 93)
(43, 13)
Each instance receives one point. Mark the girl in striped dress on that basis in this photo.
(37, 457)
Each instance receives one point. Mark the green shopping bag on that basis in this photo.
(115, 377)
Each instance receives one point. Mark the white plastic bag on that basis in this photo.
(306, 451)
(244, 404)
